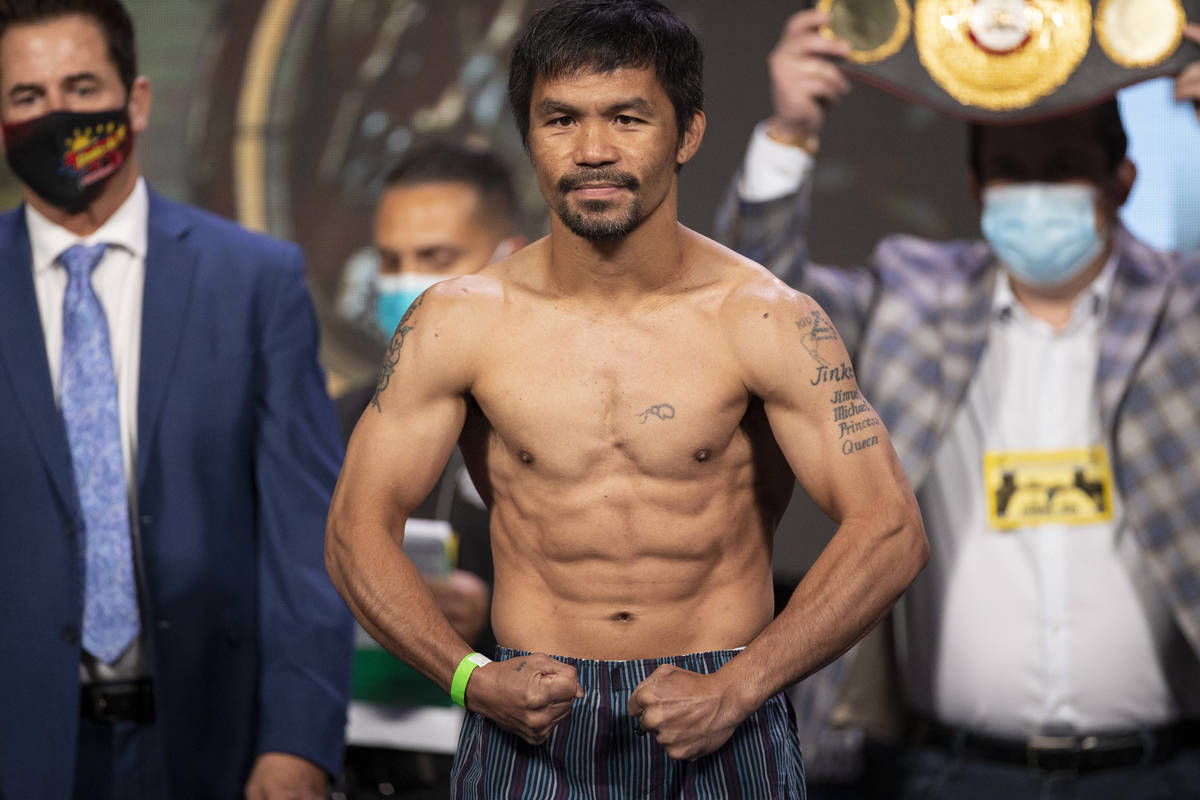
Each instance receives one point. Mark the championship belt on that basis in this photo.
(1011, 60)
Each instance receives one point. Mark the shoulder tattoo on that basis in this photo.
(392, 356)
(816, 328)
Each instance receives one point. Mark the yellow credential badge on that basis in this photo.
(1001, 54)
(1047, 487)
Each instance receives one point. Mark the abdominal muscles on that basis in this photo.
(619, 564)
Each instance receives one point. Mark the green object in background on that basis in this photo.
(380, 677)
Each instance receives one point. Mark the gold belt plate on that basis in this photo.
(875, 29)
(1001, 54)
(1140, 33)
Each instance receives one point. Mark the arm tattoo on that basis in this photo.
(853, 416)
(827, 374)
(816, 329)
(520, 666)
(392, 356)
(663, 411)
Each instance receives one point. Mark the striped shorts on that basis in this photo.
(594, 754)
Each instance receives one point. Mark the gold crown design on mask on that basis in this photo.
(79, 140)
(90, 145)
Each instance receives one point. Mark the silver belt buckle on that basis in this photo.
(1039, 743)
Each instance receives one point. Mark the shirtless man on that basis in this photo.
(633, 401)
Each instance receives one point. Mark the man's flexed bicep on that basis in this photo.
(839, 450)
(833, 439)
(395, 455)
(407, 432)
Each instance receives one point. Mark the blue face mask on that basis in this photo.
(1045, 233)
(395, 293)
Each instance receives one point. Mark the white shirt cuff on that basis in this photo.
(771, 169)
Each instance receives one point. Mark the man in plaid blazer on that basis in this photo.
(1053, 639)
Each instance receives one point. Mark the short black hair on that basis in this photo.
(1106, 125)
(441, 161)
(575, 36)
(112, 17)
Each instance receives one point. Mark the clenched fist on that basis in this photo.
(690, 714)
(527, 695)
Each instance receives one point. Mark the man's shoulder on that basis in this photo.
(12, 224)
(918, 257)
(750, 293)
(11, 215)
(466, 294)
(495, 286)
(209, 231)
(1181, 273)
(741, 278)
(1147, 264)
(463, 311)
(1190, 269)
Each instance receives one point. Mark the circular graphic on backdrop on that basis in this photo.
(303, 105)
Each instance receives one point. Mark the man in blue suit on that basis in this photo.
(168, 453)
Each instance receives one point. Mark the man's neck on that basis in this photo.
(649, 259)
(1054, 305)
(115, 192)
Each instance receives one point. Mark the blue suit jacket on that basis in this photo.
(238, 451)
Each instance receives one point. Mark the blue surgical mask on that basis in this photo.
(395, 293)
(1045, 233)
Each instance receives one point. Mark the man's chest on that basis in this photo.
(577, 396)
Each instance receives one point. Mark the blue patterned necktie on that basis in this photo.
(89, 408)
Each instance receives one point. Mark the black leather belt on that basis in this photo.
(118, 701)
(1064, 753)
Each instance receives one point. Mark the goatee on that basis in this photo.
(588, 221)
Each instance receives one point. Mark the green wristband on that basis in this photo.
(458, 686)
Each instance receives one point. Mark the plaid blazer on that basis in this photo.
(915, 322)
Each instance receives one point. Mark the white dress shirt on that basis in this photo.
(118, 281)
(771, 169)
(1050, 628)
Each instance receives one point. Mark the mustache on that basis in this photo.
(615, 177)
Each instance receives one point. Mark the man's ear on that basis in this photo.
(1122, 182)
(691, 139)
(139, 104)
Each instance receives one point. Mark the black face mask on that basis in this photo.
(66, 157)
